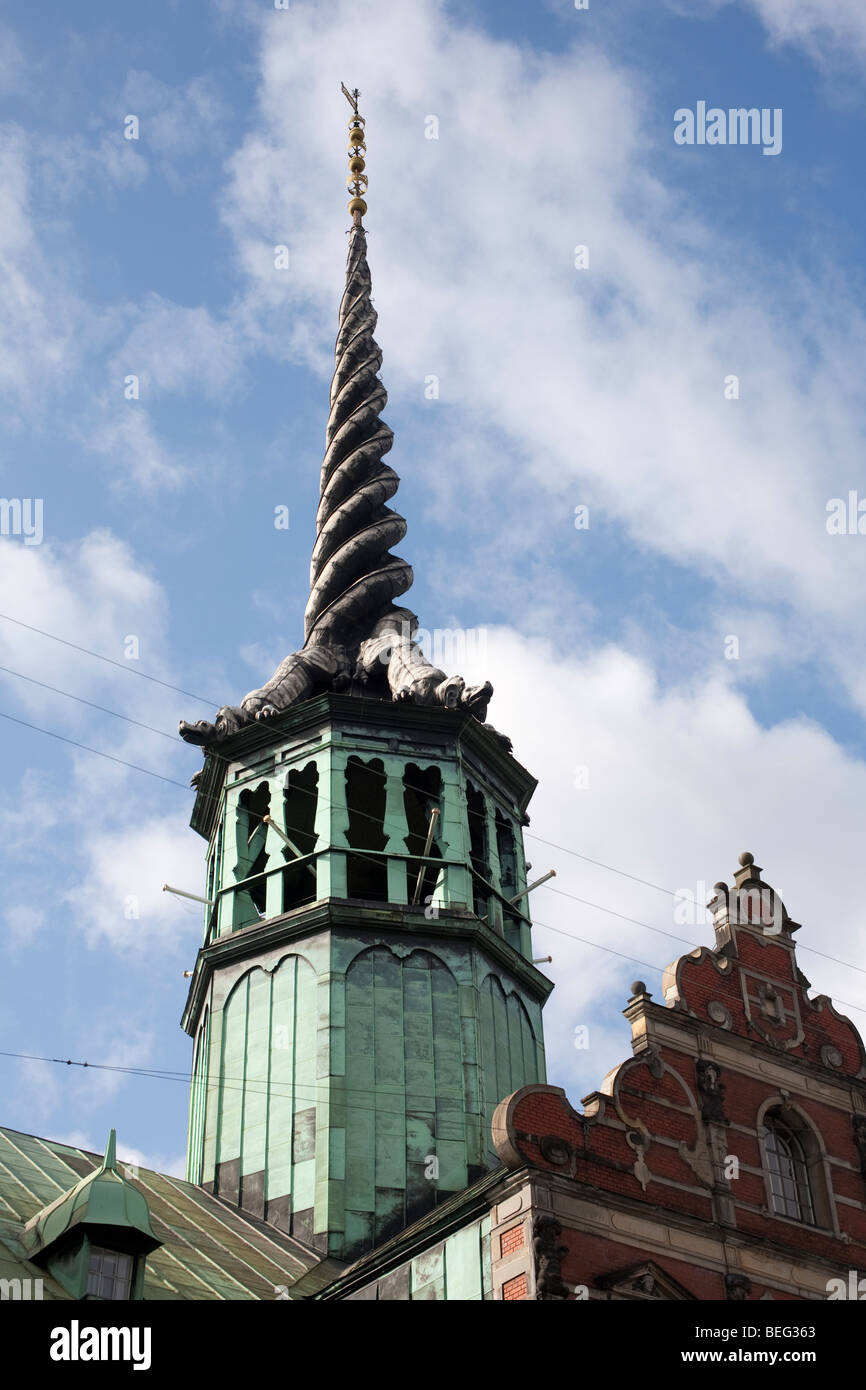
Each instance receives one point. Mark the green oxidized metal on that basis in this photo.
(351, 1045)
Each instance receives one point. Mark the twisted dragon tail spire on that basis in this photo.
(353, 577)
(355, 637)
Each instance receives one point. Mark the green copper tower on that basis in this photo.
(365, 995)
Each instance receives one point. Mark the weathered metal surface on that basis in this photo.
(356, 640)
(207, 1250)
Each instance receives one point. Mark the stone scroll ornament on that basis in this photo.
(356, 639)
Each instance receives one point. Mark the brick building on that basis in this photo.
(369, 1117)
(724, 1160)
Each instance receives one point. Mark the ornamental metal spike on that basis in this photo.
(353, 578)
(356, 639)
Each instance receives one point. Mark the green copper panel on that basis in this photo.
(350, 1052)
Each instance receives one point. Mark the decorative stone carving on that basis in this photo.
(556, 1150)
(655, 1064)
(772, 1009)
(699, 1160)
(638, 1142)
(712, 1092)
(831, 1056)
(738, 1287)
(549, 1254)
(772, 1006)
(355, 639)
(719, 1014)
(643, 1281)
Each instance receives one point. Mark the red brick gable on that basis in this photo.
(740, 976)
(680, 1127)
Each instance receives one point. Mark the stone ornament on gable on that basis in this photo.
(712, 1092)
(549, 1254)
(738, 1287)
(719, 1014)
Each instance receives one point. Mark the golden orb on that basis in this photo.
(356, 137)
(358, 205)
(357, 164)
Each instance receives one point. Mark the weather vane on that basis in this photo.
(357, 180)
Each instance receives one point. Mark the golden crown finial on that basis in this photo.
(357, 180)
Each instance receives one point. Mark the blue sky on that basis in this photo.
(558, 387)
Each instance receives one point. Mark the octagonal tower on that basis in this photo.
(364, 995)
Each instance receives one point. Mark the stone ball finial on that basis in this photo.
(721, 886)
(746, 858)
(638, 987)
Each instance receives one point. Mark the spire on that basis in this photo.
(353, 578)
(355, 638)
(109, 1162)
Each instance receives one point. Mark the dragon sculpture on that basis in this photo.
(356, 639)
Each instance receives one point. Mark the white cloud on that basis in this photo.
(36, 313)
(176, 349)
(826, 29)
(829, 31)
(680, 781)
(68, 164)
(120, 897)
(606, 385)
(52, 340)
(125, 435)
(176, 121)
(93, 593)
(174, 1166)
(116, 848)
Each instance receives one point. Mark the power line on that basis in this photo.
(563, 849)
(659, 968)
(303, 1091)
(81, 701)
(98, 751)
(359, 853)
(560, 892)
(132, 670)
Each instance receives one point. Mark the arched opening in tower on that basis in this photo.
(300, 800)
(422, 788)
(478, 849)
(251, 855)
(366, 873)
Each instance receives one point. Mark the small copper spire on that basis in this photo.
(357, 180)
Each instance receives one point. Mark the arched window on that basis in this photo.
(788, 1169)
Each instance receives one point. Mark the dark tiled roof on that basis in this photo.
(208, 1251)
